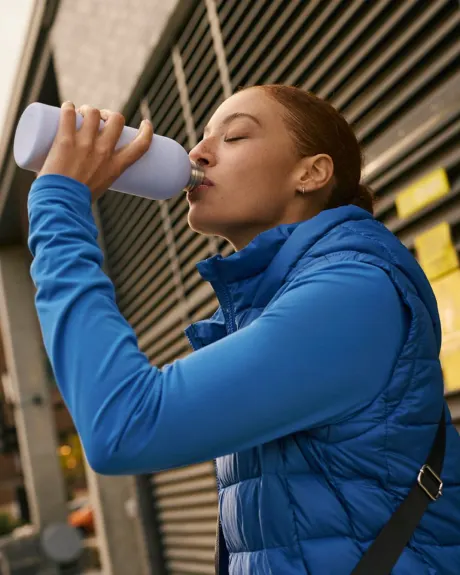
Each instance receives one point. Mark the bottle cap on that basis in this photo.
(196, 177)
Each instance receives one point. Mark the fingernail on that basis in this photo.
(68, 104)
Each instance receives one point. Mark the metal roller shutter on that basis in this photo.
(392, 68)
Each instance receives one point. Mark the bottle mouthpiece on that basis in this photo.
(196, 177)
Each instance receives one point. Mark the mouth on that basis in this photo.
(206, 184)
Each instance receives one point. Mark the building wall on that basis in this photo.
(9, 476)
(10, 467)
(101, 47)
(19, 24)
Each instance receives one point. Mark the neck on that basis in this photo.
(240, 236)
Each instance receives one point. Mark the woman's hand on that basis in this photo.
(88, 155)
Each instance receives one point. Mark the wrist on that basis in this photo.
(60, 188)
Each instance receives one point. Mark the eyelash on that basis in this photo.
(235, 139)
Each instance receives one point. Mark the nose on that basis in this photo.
(202, 155)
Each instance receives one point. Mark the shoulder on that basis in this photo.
(342, 271)
(341, 313)
(343, 292)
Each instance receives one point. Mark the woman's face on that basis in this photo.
(249, 157)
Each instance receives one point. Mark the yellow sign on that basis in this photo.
(447, 292)
(435, 251)
(422, 192)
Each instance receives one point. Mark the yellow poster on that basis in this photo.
(422, 192)
(435, 251)
(447, 292)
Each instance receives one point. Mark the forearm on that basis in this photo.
(100, 371)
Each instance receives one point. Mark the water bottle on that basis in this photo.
(161, 173)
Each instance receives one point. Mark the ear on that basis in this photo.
(316, 172)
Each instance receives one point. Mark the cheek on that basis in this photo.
(262, 172)
(253, 187)
(249, 203)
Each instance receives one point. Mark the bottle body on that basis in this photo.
(163, 171)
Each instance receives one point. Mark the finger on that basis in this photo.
(67, 123)
(137, 148)
(83, 110)
(105, 114)
(110, 134)
(90, 126)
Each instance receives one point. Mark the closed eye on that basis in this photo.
(235, 139)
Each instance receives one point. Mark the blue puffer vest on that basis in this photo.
(311, 503)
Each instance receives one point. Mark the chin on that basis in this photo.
(200, 224)
(205, 224)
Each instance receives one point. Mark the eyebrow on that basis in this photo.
(235, 116)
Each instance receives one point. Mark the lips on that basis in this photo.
(207, 182)
(195, 192)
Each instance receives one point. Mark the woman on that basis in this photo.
(316, 385)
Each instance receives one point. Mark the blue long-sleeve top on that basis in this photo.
(309, 359)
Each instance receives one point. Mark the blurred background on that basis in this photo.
(392, 67)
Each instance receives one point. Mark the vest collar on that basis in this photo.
(251, 277)
(274, 252)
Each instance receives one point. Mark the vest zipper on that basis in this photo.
(218, 528)
(230, 322)
(227, 309)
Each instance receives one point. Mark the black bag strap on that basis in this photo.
(384, 552)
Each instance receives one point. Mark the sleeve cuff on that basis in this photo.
(57, 187)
